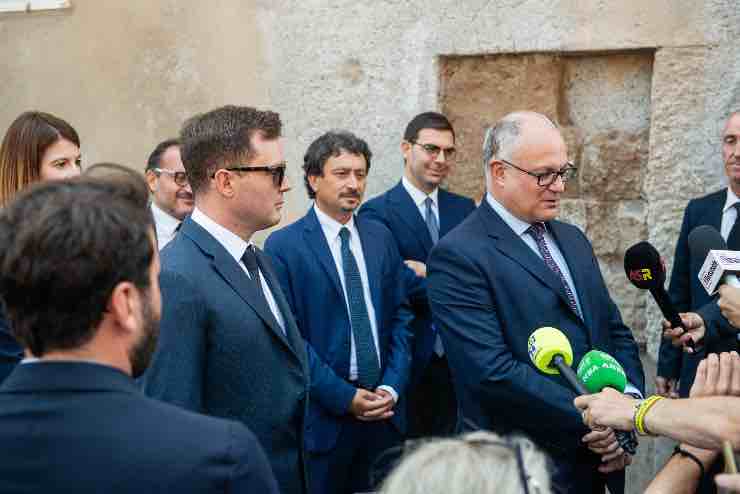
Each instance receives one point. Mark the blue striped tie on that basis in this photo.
(368, 369)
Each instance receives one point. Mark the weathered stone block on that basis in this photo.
(613, 164)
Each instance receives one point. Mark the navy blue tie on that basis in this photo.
(368, 368)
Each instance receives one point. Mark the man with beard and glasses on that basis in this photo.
(79, 281)
(172, 198)
(343, 278)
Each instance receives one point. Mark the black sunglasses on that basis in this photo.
(277, 171)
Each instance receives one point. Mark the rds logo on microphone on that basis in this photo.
(643, 274)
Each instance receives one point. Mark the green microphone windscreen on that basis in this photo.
(599, 370)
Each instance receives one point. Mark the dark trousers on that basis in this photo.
(432, 407)
(358, 456)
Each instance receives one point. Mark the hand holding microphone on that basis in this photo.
(645, 269)
(729, 304)
(551, 353)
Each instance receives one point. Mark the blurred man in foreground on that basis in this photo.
(78, 277)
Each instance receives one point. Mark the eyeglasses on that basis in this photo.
(433, 150)
(546, 179)
(277, 171)
(180, 178)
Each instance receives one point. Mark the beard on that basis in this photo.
(140, 355)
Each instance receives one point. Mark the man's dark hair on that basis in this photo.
(222, 136)
(427, 120)
(333, 143)
(156, 156)
(64, 246)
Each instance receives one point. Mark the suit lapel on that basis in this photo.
(513, 247)
(446, 213)
(408, 212)
(374, 267)
(227, 267)
(712, 215)
(579, 270)
(316, 240)
(293, 335)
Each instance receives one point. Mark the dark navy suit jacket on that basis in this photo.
(11, 352)
(688, 294)
(222, 353)
(397, 211)
(488, 292)
(84, 428)
(309, 278)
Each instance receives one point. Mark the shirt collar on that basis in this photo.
(417, 195)
(164, 220)
(731, 200)
(331, 227)
(233, 243)
(520, 227)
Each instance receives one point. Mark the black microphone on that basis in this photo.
(646, 270)
(702, 241)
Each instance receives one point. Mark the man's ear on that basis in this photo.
(224, 183)
(406, 149)
(151, 180)
(497, 169)
(123, 306)
(314, 181)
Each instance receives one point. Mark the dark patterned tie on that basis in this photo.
(431, 220)
(368, 369)
(733, 239)
(250, 261)
(537, 231)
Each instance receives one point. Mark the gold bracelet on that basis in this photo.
(642, 410)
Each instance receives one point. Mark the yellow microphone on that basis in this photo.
(550, 351)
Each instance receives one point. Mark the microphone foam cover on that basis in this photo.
(643, 266)
(544, 344)
(704, 238)
(598, 370)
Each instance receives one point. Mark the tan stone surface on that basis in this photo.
(126, 74)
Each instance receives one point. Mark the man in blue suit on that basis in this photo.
(229, 344)
(719, 209)
(509, 269)
(78, 274)
(418, 213)
(342, 276)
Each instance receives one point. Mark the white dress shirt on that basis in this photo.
(419, 197)
(165, 225)
(236, 247)
(729, 214)
(331, 228)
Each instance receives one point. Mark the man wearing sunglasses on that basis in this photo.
(509, 269)
(229, 345)
(172, 198)
(418, 212)
(342, 276)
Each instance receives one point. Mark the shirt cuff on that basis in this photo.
(630, 389)
(392, 391)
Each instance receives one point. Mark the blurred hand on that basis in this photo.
(418, 267)
(728, 481)
(729, 304)
(694, 331)
(618, 463)
(608, 408)
(370, 406)
(667, 387)
(603, 442)
(717, 375)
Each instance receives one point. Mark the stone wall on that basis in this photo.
(602, 103)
